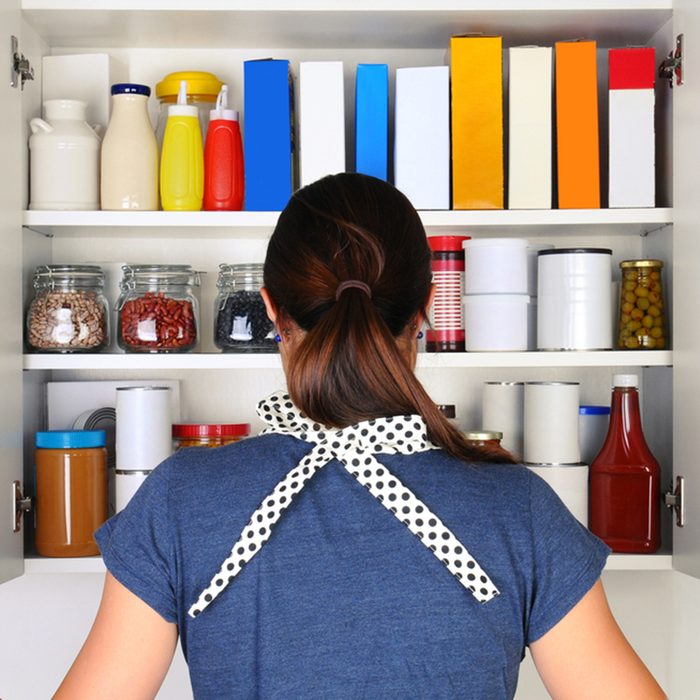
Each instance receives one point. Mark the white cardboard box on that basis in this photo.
(631, 125)
(321, 120)
(87, 77)
(530, 130)
(422, 136)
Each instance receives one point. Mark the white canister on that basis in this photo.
(64, 159)
(570, 483)
(144, 427)
(550, 423)
(495, 266)
(532, 254)
(502, 410)
(495, 322)
(127, 483)
(593, 424)
(573, 297)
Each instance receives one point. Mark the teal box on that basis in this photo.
(372, 119)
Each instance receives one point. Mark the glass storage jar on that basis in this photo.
(208, 434)
(642, 314)
(68, 312)
(484, 438)
(240, 318)
(158, 309)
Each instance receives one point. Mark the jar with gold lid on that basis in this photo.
(484, 438)
(642, 314)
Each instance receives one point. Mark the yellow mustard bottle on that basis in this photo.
(182, 157)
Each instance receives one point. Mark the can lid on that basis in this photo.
(482, 435)
(594, 410)
(626, 380)
(447, 242)
(199, 83)
(131, 89)
(68, 439)
(500, 242)
(202, 430)
(577, 251)
(641, 263)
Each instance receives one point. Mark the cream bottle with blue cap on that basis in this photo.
(182, 158)
(129, 170)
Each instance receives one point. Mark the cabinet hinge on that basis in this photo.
(676, 499)
(672, 66)
(20, 504)
(20, 68)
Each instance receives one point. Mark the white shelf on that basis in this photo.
(95, 565)
(192, 361)
(332, 23)
(592, 222)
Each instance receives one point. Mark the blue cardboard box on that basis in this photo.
(268, 141)
(372, 119)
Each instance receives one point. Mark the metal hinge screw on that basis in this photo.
(21, 69)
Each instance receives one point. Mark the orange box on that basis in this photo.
(578, 160)
(477, 122)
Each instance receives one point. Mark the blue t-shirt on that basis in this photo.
(344, 601)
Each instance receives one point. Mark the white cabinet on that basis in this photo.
(175, 35)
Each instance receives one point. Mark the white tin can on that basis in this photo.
(574, 299)
(570, 483)
(495, 266)
(502, 410)
(495, 322)
(550, 423)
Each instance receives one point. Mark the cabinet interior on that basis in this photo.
(155, 42)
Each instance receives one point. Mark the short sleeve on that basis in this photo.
(137, 545)
(568, 559)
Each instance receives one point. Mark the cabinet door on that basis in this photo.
(11, 549)
(686, 279)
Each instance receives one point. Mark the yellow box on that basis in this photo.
(477, 122)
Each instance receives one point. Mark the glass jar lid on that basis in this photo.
(245, 275)
(151, 274)
(641, 263)
(483, 435)
(52, 276)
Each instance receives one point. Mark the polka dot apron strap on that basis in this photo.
(354, 447)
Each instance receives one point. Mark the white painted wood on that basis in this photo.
(686, 257)
(637, 220)
(185, 361)
(11, 543)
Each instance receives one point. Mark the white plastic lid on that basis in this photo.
(230, 115)
(493, 242)
(626, 380)
(183, 111)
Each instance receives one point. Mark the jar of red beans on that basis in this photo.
(158, 310)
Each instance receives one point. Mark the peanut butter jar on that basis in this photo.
(71, 491)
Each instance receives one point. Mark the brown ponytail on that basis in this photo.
(349, 366)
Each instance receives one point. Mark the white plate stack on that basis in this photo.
(496, 294)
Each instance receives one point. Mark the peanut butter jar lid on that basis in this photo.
(70, 439)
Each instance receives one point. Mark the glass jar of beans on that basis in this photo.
(158, 309)
(240, 319)
(68, 312)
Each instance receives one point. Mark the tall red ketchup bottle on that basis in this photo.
(624, 487)
(223, 159)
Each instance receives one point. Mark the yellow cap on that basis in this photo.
(199, 84)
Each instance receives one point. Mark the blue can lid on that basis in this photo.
(594, 410)
(131, 88)
(68, 439)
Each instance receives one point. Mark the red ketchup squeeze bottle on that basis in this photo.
(223, 159)
(625, 478)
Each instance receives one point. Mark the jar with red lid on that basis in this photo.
(208, 434)
(446, 332)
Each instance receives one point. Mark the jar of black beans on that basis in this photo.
(240, 319)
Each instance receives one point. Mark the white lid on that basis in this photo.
(183, 111)
(230, 115)
(626, 380)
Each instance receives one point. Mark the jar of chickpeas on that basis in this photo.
(642, 318)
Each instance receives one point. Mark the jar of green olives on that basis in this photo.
(642, 318)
